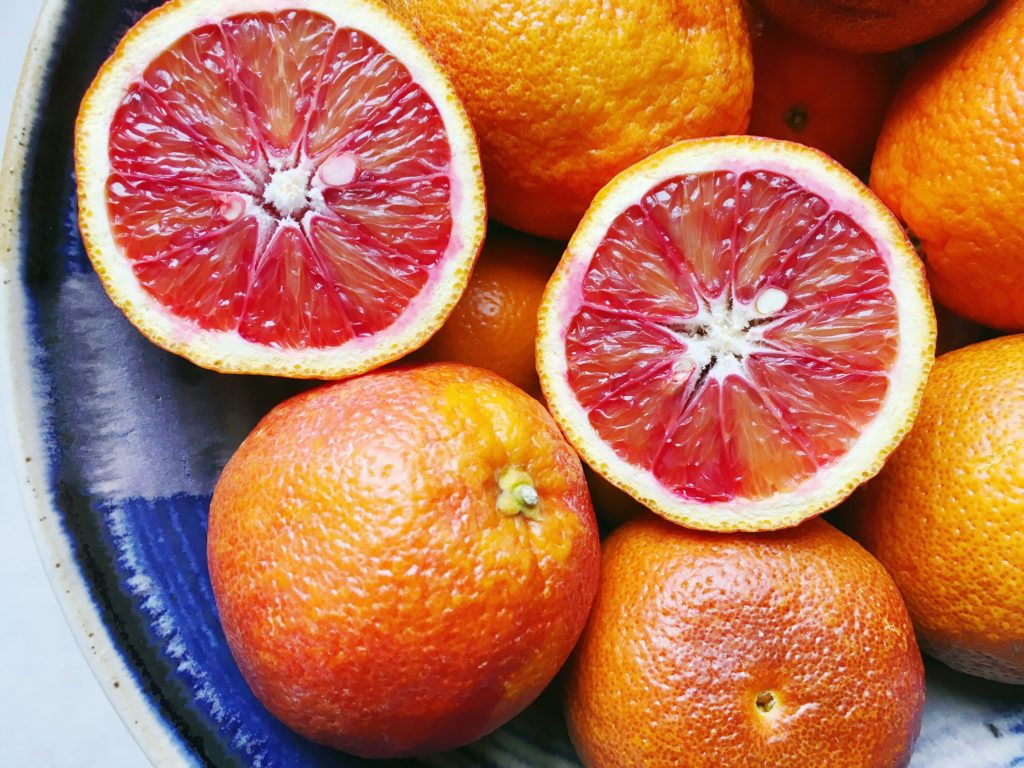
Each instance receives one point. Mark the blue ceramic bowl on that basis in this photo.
(121, 444)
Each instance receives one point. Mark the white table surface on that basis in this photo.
(52, 712)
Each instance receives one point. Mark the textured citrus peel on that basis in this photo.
(228, 352)
(846, 194)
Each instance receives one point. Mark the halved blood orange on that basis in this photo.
(738, 334)
(278, 186)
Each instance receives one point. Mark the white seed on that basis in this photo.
(770, 301)
(682, 369)
(339, 170)
(231, 207)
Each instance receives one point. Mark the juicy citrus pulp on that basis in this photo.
(288, 188)
(738, 334)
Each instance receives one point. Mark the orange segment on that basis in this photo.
(360, 79)
(150, 139)
(776, 218)
(291, 300)
(768, 456)
(196, 82)
(408, 216)
(738, 334)
(405, 139)
(856, 331)
(308, 165)
(837, 259)
(207, 277)
(826, 404)
(378, 283)
(623, 374)
(695, 460)
(277, 62)
(697, 214)
(155, 217)
(631, 275)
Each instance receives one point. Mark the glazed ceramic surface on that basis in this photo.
(121, 443)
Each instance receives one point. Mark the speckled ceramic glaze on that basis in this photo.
(120, 444)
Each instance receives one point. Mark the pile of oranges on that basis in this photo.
(404, 560)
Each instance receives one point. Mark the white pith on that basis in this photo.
(288, 190)
(843, 193)
(292, 192)
(226, 350)
(722, 335)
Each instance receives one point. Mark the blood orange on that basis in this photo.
(738, 334)
(784, 650)
(402, 562)
(278, 187)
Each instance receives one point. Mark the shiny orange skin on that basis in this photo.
(494, 325)
(832, 100)
(373, 596)
(950, 164)
(944, 516)
(870, 25)
(689, 629)
(564, 95)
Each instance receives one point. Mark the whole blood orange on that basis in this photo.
(289, 188)
(738, 334)
(777, 650)
(402, 562)
(828, 99)
(950, 163)
(494, 325)
(566, 94)
(870, 25)
(945, 514)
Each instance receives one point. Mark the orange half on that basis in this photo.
(738, 334)
(288, 188)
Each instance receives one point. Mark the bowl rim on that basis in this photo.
(25, 418)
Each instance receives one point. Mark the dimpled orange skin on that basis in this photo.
(950, 164)
(564, 95)
(945, 515)
(832, 100)
(494, 325)
(689, 629)
(371, 593)
(870, 25)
